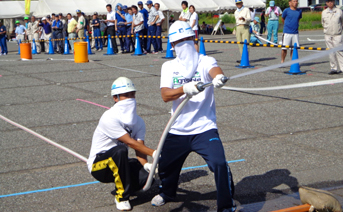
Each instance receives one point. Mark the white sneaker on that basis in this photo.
(123, 205)
(158, 201)
(4, 54)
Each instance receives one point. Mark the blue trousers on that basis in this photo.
(59, 35)
(3, 44)
(152, 32)
(254, 40)
(98, 41)
(122, 31)
(55, 42)
(159, 40)
(129, 40)
(209, 146)
(273, 25)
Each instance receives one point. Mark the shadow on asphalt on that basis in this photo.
(255, 188)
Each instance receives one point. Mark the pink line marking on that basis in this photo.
(92, 103)
(0, 75)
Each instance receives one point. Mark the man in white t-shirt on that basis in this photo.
(185, 14)
(159, 23)
(138, 25)
(111, 27)
(193, 21)
(195, 129)
(119, 128)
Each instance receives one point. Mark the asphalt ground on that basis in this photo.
(275, 140)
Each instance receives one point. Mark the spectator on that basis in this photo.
(193, 21)
(97, 33)
(33, 32)
(81, 23)
(145, 29)
(273, 12)
(204, 27)
(120, 22)
(159, 23)
(47, 33)
(290, 18)
(252, 13)
(185, 14)
(72, 26)
(41, 36)
(243, 18)
(103, 28)
(120, 128)
(58, 32)
(3, 42)
(263, 22)
(223, 26)
(86, 33)
(65, 25)
(138, 24)
(111, 27)
(332, 21)
(26, 23)
(255, 28)
(53, 32)
(129, 40)
(19, 31)
(171, 19)
(153, 17)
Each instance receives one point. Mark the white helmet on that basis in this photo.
(179, 30)
(122, 85)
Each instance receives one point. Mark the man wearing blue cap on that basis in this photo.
(273, 13)
(243, 18)
(121, 28)
(145, 17)
(153, 17)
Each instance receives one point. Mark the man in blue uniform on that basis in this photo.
(58, 27)
(97, 33)
(145, 29)
(3, 44)
(120, 22)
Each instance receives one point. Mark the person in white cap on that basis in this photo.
(273, 13)
(119, 128)
(195, 129)
(243, 18)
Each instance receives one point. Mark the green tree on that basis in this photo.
(283, 4)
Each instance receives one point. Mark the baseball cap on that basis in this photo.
(238, 1)
(148, 2)
(82, 13)
(17, 22)
(257, 19)
(272, 3)
(26, 18)
(140, 3)
(78, 11)
(48, 16)
(60, 14)
(124, 7)
(95, 13)
(43, 18)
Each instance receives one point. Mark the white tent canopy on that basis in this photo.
(46, 7)
(15, 9)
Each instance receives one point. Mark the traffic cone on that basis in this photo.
(169, 52)
(51, 47)
(138, 47)
(245, 57)
(19, 47)
(89, 46)
(202, 46)
(34, 47)
(295, 68)
(109, 47)
(66, 46)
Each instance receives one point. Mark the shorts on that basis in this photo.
(290, 40)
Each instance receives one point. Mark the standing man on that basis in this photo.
(243, 18)
(3, 43)
(65, 25)
(19, 31)
(159, 23)
(120, 128)
(26, 23)
(153, 17)
(290, 18)
(145, 29)
(33, 32)
(273, 12)
(47, 33)
(332, 20)
(72, 26)
(120, 23)
(138, 24)
(185, 14)
(58, 26)
(97, 33)
(111, 27)
(195, 129)
(129, 40)
(80, 27)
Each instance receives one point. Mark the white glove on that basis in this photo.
(147, 167)
(190, 88)
(217, 81)
(154, 154)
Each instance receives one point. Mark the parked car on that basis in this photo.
(314, 5)
(320, 8)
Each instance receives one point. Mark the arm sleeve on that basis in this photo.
(280, 11)
(210, 63)
(284, 14)
(112, 128)
(267, 11)
(166, 76)
(248, 17)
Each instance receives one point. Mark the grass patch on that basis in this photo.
(311, 16)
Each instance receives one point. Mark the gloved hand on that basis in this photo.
(190, 88)
(147, 167)
(217, 81)
(154, 154)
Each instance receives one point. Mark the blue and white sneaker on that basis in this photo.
(158, 201)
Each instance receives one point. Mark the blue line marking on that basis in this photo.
(93, 182)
